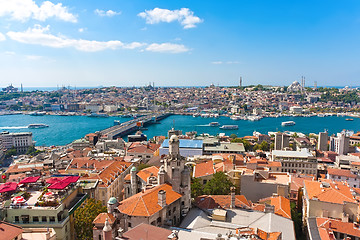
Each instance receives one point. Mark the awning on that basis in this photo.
(8, 187)
(30, 180)
(66, 181)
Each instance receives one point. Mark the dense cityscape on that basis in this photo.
(179, 120)
(185, 185)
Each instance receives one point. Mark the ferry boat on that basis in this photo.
(288, 123)
(37, 113)
(349, 119)
(229, 127)
(214, 124)
(38, 125)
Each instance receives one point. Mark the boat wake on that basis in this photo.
(19, 127)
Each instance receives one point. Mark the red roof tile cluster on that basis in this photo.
(334, 192)
(341, 172)
(327, 227)
(138, 147)
(281, 204)
(204, 169)
(9, 231)
(223, 201)
(146, 231)
(146, 204)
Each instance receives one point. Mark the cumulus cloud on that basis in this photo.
(23, 10)
(167, 48)
(2, 37)
(184, 16)
(39, 35)
(108, 13)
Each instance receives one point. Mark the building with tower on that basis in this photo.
(155, 196)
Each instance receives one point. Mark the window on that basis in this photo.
(44, 219)
(35, 219)
(52, 219)
(129, 224)
(339, 177)
(16, 218)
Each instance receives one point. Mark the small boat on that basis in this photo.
(229, 127)
(349, 119)
(38, 125)
(288, 123)
(37, 113)
(321, 115)
(214, 124)
(235, 117)
(117, 122)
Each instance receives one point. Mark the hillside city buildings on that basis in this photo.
(276, 185)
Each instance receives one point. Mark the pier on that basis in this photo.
(132, 125)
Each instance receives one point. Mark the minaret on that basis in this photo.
(315, 84)
(22, 88)
(240, 83)
(133, 182)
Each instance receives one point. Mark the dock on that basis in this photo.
(132, 125)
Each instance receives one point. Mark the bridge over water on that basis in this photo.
(132, 125)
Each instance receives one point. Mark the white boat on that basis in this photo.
(214, 124)
(37, 113)
(253, 118)
(235, 117)
(98, 115)
(321, 115)
(205, 115)
(38, 125)
(228, 127)
(288, 123)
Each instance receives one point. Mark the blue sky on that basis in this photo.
(179, 43)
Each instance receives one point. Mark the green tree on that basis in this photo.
(197, 189)
(143, 166)
(10, 152)
(262, 146)
(84, 216)
(218, 185)
(233, 136)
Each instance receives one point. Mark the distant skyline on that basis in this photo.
(179, 43)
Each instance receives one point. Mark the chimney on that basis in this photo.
(269, 208)
(162, 198)
(232, 201)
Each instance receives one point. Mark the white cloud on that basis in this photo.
(2, 37)
(9, 53)
(228, 62)
(167, 48)
(40, 36)
(33, 57)
(81, 30)
(23, 10)
(184, 16)
(108, 13)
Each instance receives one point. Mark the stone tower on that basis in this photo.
(177, 174)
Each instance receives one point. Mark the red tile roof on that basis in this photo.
(326, 226)
(335, 193)
(204, 169)
(9, 231)
(146, 203)
(341, 172)
(147, 172)
(146, 231)
(100, 219)
(223, 201)
(281, 204)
